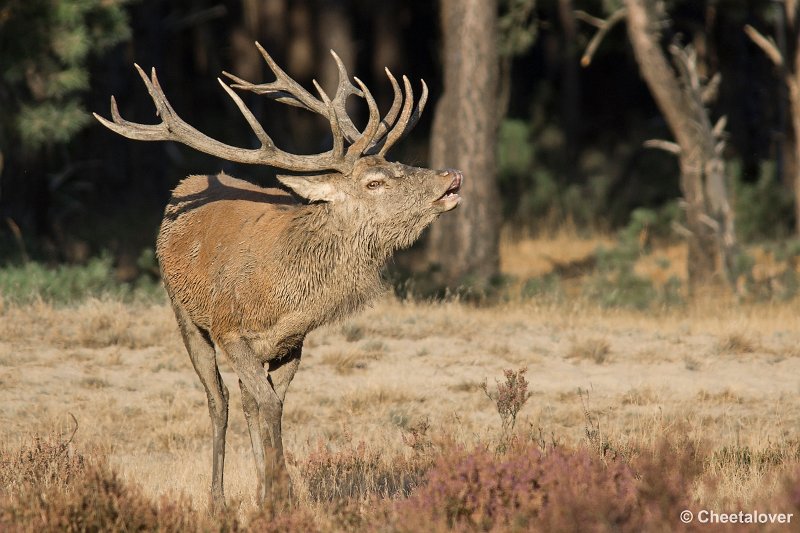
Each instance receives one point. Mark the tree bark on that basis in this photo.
(786, 29)
(570, 83)
(334, 33)
(463, 245)
(794, 103)
(709, 217)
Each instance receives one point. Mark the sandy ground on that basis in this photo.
(720, 373)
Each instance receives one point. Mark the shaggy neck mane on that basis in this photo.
(340, 258)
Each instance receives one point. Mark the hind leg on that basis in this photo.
(204, 359)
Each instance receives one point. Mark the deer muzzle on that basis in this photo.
(450, 197)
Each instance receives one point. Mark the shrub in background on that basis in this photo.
(70, 283)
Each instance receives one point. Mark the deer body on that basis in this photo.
(250, 271)
(258, 264)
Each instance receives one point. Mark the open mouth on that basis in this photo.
(452, 190)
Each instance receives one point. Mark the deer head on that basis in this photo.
(354, 176)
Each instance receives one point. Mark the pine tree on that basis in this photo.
(45, 47)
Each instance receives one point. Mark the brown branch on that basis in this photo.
(766, 44)
(681, 230)
(17, 233)
(719, 128)
(583, 16)
(790, 8)
(667, 146)
(74, 431)
(603, 27)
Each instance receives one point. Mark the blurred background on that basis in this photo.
(562, 117)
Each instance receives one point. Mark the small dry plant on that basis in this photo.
(417, 438)
(509, 397)
(598, 441)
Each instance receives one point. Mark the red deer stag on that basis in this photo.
(250, 271)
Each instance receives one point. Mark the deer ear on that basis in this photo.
(315, 188)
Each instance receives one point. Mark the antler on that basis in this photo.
(377, 136)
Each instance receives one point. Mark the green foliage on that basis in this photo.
(515, 152)
(615, 283)
(532, 191)
(45, 47)
(609, 6)
(517, 26)
(70, 283)
(544, 287)
(764, 209)
(50, 122)
(648, 224)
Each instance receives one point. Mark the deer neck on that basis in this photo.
(335, 242)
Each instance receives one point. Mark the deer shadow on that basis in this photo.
(216, 191)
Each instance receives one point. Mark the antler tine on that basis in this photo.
(391, 116)
(361, 144)
(255, 125)
(397, 130)
(132, 130)
(407, 119)
(343, 90)
(423, 99)
(154, 87)
(336, 130)
(284, 89)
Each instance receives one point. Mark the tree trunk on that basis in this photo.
(463, 245)
(709, 217)
(387, 49)
(334, 33)
(570, 84)
(793, 82)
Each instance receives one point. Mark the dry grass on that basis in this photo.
(537, 255)
(737, 344)
(415, 361)
(594, 350)
(123, 372)
(345, 362)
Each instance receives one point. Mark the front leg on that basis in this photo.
(262, 398)
(280, 374)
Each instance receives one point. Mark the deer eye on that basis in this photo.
(374, 184)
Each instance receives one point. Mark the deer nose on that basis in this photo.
(454, 175)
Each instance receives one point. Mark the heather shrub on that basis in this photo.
(788, 499)
(49, 487)
(528, 489)
(356, 472)
(44, 464)
(525, 489)
(46, 486)
(667, 474)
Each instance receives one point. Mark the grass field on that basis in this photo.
(385, 395)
